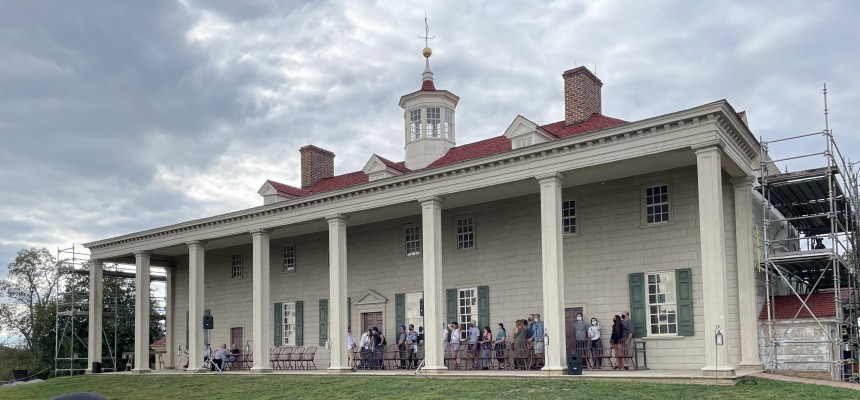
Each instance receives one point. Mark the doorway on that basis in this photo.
(237, 337)
(569, 320)
(371, 319)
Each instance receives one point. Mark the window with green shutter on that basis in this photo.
(483, 306)
(323, 321)
(684, 289)
(278, 327)
(637, 303)
(399, 312)
(300, 337)
(451, 302)
(661, 303)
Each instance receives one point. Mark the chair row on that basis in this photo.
(292, 357)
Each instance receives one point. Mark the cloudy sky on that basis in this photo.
(119, 116)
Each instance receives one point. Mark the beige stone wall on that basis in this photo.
(611, 243)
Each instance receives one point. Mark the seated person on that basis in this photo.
(234, 354)
(220, 357)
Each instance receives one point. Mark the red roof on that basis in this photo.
(595, 122)
(821, 304)
(159, 342)
(428, 86)
(456, 154)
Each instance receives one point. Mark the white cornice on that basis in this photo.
(635, 139)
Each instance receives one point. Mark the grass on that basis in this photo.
(397, 387)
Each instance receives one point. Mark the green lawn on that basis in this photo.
(404, 388)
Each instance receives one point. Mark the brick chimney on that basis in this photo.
(317, 164)
(581, 95)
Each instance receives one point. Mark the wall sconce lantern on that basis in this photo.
(718, 336)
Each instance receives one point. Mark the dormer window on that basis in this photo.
(434, 122)
(523, 142)
(415, 124)
(524, 133)
(449, 124)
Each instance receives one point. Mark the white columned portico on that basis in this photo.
(552, 269)
(714, 275)
(337, 292)
(94, 340)
(262, 318)
(141, 312)
(746, 273)
(431, 236)
(196, 306)
(169, 328)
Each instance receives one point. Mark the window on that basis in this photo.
(433, 122)
(449, 124)
(289, 315)
(290, 257)
(413, 240)
(467, 309)
(413, 310)
(465, 232)
(237, 266)
(662, 314)
(657, 204)
(568, 217)
(415, 124)
(522, 142)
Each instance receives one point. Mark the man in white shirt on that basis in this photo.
(454, 346)
(474, 335)
(364, 346)
(350, 348)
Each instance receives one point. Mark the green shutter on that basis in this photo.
(483, 306)
(452, 305)
(323, 321)
(279, 329)
(300, 334)
(684, 290)
(349, 311)
(399, 311)
(637, 304)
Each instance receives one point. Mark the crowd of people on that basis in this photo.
(221, 357)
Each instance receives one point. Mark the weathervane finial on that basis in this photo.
(427, 52)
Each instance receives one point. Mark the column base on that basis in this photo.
(141, 371)
(339, 370)
(751, 366)
(720, 371)
(261, 370)
(553, 371)
(434, 370)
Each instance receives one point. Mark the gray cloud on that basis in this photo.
(117, 117)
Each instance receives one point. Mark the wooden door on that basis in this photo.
(237, 337)
(371, 319)
(569, 320)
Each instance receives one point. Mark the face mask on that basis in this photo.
(594, 323)
(579, 318)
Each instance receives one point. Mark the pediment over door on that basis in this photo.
(371, 297)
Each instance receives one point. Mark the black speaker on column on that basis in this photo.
(574, 364)
(208, 322)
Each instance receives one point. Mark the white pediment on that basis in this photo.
(267, 189)
(523, 132)
(371, 297)
(377, 169)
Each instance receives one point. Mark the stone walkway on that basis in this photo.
(783, 378)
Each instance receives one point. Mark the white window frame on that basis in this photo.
(289, 257)
(449, 124)
(415, 124)
(237, 266)
(523, 142)
(565, 218)
(434, 122)
(412, 240)
(288, 324)
(670, 218)
(465, 240)
(664, 303)
(467, 309)
(413, 311)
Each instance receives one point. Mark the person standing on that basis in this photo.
(486, 347)
(454, 346)
(580, 335)
(596, 348)
(364, 347)
(350, 349)
(626, 338)
(401, 347)
(538, 339)
(521, 350)
(499, 345)
(474, 337)
(412, 346)
(615, 340)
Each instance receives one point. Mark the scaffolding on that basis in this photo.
(807, 256)
(72, 313)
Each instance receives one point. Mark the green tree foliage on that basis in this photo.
(31, 282)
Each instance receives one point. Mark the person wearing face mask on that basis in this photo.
(594, 335)
(580, 334)
(499, 345)
(538, 341)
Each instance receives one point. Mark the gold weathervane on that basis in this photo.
(427, 52)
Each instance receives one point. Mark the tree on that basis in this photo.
(28, 289)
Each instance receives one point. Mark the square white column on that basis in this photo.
(746, 273)
(141, 312)
(169, 327)
(337, 292)
(94, 339)
(431, 237)
(552, 269)
(196, 306)
(262, 317)
(714, 275)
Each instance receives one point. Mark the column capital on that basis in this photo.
(261, 231)
(200, 243)
(142, 253)
(550, 176)
(707, 147)
(437, 200)
(743, 182)
(97, 261)
(336, 217)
